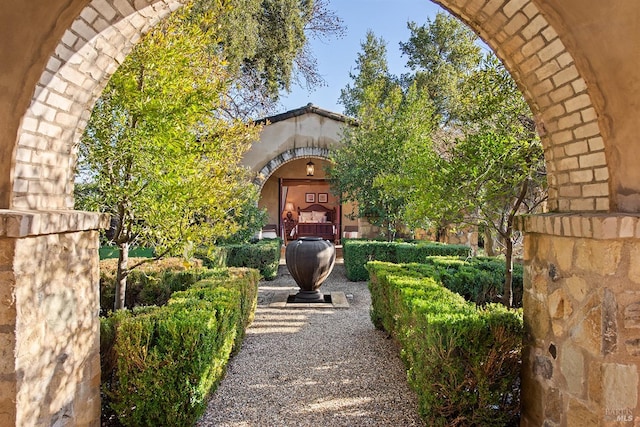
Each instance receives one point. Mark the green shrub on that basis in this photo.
(161, 363)
(212, 257)
(357, 253)
(263, 255)
(463, 362)
(478, 279)
(149, 284)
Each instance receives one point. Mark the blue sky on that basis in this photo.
(336, 57)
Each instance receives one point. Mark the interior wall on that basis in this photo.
(296, 169)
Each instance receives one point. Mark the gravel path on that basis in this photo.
(314, 367)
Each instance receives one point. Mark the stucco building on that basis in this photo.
(289, 163)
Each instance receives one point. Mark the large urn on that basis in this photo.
(310, 261)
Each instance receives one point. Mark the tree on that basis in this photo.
(266, 48)
(371, 70)
(159, 161)
(493, 171)
(443, 53)
(374, 150)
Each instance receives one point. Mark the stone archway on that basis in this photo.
(575, 62)
(288, 156)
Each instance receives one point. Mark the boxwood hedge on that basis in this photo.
(463, 362)
(357, 253)
(263, 255)
(159, 364)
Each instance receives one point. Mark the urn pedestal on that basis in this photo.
(310, 261)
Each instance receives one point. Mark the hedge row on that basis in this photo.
(463, 362)
(263, 255)
(149, 284)
(159, 364)
(477, 279)
(357, 253)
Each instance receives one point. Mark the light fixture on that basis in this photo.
(288, 207)
(311, 168)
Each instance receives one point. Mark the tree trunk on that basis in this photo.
(507, 294)
(488, 242)
(121, 276)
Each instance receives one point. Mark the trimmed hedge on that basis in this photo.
(263, 255)
(357, 253)
(149, 284)
(463, 362)
(161, 363)
(478, 279)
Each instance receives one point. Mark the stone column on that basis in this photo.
(582, 320)
(49, 324)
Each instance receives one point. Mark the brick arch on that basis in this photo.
(287, 156)
(558, 94)
(89, 52)
(106, 30)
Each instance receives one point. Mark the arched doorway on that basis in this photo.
(575, 62)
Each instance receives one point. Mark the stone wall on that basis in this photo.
(49, 306)
(582, 319)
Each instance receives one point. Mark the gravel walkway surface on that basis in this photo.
(314, 367)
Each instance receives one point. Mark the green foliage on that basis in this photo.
(151, 284)
(263, 255)
(463, 362)
(158, 160)
(478, 279)
(376, 147)
(106, 252)
(161, 363)
(358, 252)
(265, 44)
(486, 164)
(442, 53)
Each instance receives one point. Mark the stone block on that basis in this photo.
(560, 306)
(568, 163)
(588, 114)
(572, 368)
(535, 26)
(632, 346)
(580, 415)
(543, 367)
(632, 315)
(600, 257)
(546, 70)
(536, 317)
(627, 227)
(594, 382)
(601, 174)
(563, 93)
(563, 250)
(581, 176)
(576, 148)
(553, 406)
(552, 50)
(596, 144)
(620, 386)
(576, 287)
(579, 102)
(595, 190)
(587, 329)
(587, 131)
(529, 49)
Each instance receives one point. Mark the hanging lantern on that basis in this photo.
(311, 168)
